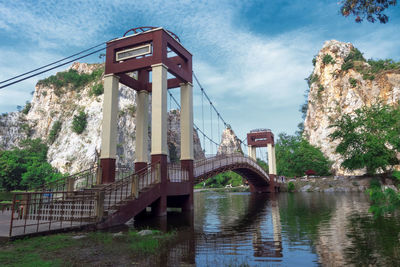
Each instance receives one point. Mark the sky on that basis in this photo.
(251, 57)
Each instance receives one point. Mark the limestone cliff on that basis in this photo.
(229, 143)
(337, 89)
(59, 102)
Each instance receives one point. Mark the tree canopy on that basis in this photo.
(369, 138)
(295, 155)
(372, 10)
(26, 167)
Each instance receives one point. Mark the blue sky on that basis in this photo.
(251, 56)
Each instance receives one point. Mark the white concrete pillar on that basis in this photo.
(187, 121)
(252, 152)
(271, 159)
(274, 159)
(110, 117)
(142, 126)
(159, 110)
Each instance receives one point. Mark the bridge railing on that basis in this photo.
(130, 186)
(34, 212)
(77, 181)
(209, 164)
(177, 174)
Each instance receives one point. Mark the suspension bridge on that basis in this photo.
(150, 61)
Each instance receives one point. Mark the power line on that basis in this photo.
(55, 62)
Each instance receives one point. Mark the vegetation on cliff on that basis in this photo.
(72, 79)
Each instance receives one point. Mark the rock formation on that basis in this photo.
(336, 90)
(230, 143)
(72, 152)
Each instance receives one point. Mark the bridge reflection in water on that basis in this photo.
(226, 229)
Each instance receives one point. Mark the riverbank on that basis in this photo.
(87, 249)
(336, 184)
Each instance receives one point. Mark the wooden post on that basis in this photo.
(100, 205)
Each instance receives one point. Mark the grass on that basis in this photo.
(94, 247)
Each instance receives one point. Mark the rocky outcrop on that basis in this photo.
(335, 91)
(72, 152)
(230, 143)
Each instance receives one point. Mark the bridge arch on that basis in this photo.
(247, 167)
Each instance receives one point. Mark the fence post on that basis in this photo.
(100, 205)
(70, 186)
(135, 186)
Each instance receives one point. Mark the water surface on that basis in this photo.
(298, 229)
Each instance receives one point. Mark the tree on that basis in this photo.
(295, 155)
(79, 122)
(26, 167)
(373, 10)
(369, 138)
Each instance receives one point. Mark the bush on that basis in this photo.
(79, 122)
(347, 65)
(353, 82)
(355, 55)
(327, 59)
(55, 129)
(97, 89)
(291, 187)
(27, 108)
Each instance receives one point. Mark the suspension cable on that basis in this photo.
(211, 123)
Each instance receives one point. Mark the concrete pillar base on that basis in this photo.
(140, 165)
(107, 170)
(272, 183)
(159, 207)
(188, 204)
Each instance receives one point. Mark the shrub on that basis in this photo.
(327, 59)
(97, 89)
(55, 129)
(79, 122)
(314, 61)
(368, 76)
(355, 55)
(132, 110)
(320, 88)
(291, 187)
(347, 65)
(353, 82)
(27, 108)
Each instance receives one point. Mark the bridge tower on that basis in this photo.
(150, 61)
(263, 138)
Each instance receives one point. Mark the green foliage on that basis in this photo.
(132, 110)
(79, 122)
(314, 60)
(97, 89)
(263, 165)
(291, 187)
(71, 78)
(320, 88)
(347, 65)
(223, 179)
(372, 10)
(382, 201)
(355, 55)
(26, 167)
(353, 82)
(27, 107)
(369, 138)
(55, 129)
(396, 174)
(382, 65)
(328, 59)
(294, 155)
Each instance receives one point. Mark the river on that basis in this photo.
(290, 229)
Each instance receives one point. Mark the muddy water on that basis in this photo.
(299, 229)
